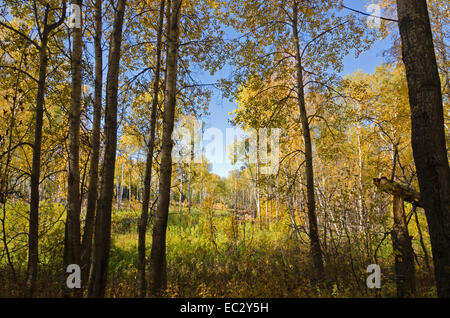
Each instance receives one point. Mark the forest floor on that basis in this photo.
(212, 255)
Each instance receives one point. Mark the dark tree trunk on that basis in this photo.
(158, 253)
(73, 180)
(120, 189)
(427, 131)
(180, 193)
(190, 171)
(95, 152)
(277, 198)
(404, 254)
(33, 234)
(148, 167)
(316, 252)
(102, 237)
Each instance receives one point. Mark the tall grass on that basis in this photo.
(212, 254)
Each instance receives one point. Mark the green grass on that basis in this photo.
(210, 256)
(206, 259)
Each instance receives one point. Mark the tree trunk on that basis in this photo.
(190, 170)
(292, 215)
(312, 218)
(277, 198)
(73, 179)
(427, 131)
(148, 168)
(181, 193)
(360, 185)
(404, 254)
(95, 152)
(201, 177)
(257, 187)
(129, 184)
(99, 268)
(267, 205)
(158, 253)
(120, 189)
(235, 195)
(189, 186)
(33, 234)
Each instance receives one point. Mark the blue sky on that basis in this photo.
(220, 107)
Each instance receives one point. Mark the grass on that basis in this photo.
(207, 259)
(212, 255)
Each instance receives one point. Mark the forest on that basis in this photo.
(338, 183)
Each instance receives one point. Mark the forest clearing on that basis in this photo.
(224, 149)
(219, 257)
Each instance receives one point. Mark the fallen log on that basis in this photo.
(398, 190)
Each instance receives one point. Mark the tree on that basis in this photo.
(73, 240)
(95, 141)
(102, 238)
(44, 34)
(312, 218)
(427, 131)
(149, 162)
(157, 278)
(6, 188)
(295, 44)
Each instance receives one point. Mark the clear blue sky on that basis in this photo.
(220, 107)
